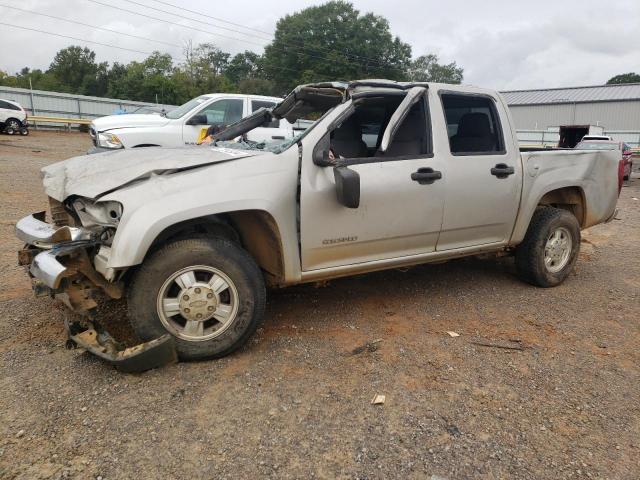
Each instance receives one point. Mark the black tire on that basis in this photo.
(12, 126)
(24, 131)
(217, 253)
(530, 254)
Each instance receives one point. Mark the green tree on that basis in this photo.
(427, 69)
(72, 65)
(624, 78)
(243, 66)
(334, 41)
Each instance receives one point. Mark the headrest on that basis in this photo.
(349, 130)
(475, 124)
(412, 128)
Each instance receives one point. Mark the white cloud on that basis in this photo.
(500, 43)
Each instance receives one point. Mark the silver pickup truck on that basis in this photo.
(389, 175)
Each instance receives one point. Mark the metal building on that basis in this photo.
(616, 108)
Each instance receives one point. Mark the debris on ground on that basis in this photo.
(378, 400)
(453, 334)
(368, 347)
(507, 345)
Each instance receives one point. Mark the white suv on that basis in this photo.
(13, 118)
(185, 125)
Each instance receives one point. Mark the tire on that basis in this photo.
(12, 126)
(24, 131)
(542, 260)
(157, 305)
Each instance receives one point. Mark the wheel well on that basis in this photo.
(570, 199)
(255, 230)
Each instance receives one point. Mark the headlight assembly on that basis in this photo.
(104, 214)
(109, 140)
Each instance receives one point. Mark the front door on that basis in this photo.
(398, 215)
(221, 113)
(484, 174)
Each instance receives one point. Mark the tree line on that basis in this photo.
(333, 41)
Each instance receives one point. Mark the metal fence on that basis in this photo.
(551, 137)
(54, 104)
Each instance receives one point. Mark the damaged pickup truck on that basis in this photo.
(389, 175)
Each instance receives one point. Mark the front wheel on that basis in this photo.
(12, 126)
(550, 248)
(208, 293)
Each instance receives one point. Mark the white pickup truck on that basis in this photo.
(186, 124)
(389, 175)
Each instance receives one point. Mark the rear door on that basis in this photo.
(484, 172)
(222, 112)
(275, 131)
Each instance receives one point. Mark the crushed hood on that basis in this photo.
(94, 175)
(128, 121)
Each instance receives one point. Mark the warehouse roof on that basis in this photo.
(598, 93)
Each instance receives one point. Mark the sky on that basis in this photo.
(501, 44)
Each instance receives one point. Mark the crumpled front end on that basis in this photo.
(57, 258)
(68, 262)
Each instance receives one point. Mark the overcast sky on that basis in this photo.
(502, 44)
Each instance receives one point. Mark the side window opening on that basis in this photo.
(472, 124)
(360, 135)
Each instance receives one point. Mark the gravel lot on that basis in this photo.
(295, 402)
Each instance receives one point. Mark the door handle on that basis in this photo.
(502, 170)
(277, 137)
(426, 176)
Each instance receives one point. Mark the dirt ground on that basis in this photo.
(296, 401)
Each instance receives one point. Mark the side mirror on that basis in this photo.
(321, 152)
(197, 120)
(347, 186)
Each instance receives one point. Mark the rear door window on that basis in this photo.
(473, 126)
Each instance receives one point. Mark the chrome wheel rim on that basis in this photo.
(197, 303)
(557, 250)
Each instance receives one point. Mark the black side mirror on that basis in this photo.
(347, 186)
(197, 120)
(321, 152)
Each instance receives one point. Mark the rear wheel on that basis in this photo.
(550, 248)
(208, 293)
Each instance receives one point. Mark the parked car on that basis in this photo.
(186, 124)
(623, 148)
(13, 118)
(191, 236)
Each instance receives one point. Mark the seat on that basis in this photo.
(410, 137)
(347, 140)
(474, 134)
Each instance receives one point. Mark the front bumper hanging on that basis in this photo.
(139, 358)
(45, 243)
